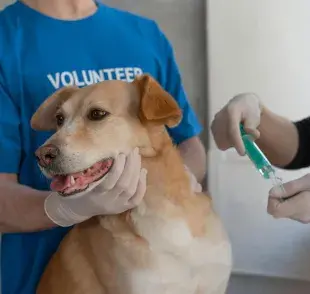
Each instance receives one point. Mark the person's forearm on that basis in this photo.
(278, 138)
(22, 209)
(194, 157)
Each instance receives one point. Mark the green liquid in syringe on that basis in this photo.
(256, 155)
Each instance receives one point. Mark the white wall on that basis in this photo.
(261, 46)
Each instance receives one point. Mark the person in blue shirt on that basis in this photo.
(44, 46)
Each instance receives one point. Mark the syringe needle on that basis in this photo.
(277, 183)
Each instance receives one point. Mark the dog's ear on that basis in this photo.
(44, 118)
(156, 105)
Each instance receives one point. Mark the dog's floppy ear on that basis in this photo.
(157, 105)
(44, 118)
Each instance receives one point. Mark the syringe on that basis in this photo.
(259, 160)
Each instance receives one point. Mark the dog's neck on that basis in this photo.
(166, 172)
(168, 194)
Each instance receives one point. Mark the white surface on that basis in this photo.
(261, 46)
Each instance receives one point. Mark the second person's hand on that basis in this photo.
(294, 203)
(243, 108)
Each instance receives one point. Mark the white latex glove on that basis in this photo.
(298, 206)
(243, 108)
(122, 188)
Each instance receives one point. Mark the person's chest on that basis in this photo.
(43, 66)
(81, 59)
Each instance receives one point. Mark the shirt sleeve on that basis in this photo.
(302, 157)
(10, 143)
(171, 81)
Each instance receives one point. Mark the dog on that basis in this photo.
(172, 242)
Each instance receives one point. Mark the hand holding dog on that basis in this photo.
(122, 188)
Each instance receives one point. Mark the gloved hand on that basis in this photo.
(122, 188)
(243, 108)
(297, 207)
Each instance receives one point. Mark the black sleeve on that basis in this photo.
(302, 157)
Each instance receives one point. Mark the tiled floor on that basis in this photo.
(262, 285)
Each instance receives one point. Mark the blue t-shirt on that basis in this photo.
(40, 54)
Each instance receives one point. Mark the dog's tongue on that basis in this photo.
(60, 183)
(78, 181)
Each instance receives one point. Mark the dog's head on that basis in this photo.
(96, 123)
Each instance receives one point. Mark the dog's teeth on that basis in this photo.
(72, 181)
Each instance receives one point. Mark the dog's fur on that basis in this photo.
(173, 242)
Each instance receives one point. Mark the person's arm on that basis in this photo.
(285, 143)
(185, 135)
(21, 208)
(194, 157)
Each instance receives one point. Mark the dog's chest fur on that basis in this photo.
(175, 261)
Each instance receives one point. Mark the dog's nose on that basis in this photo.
(45, 155)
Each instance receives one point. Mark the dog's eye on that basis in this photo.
(97, 114)
(60, 119)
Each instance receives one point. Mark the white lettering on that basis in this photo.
(109, 73)
(89, 77)
(98, 77)
(55, 81)
(129, 74)
(64, 76)
(137, 71)
(120, 75)
(76, 79)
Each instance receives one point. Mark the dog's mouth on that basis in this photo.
(70, 184)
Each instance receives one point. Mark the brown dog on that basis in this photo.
(172, 243)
